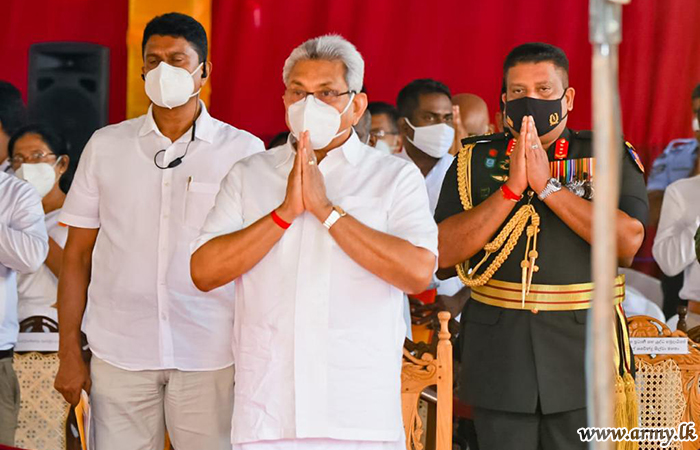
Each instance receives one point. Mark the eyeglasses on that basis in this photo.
(38, 156)
(381, 133)
(328, 96)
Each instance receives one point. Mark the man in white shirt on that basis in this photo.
(161, 348)
(12, 117)
(321, 244)
(23, 248)
(427, 133)
(674, 245)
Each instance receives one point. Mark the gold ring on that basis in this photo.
(312, 162)
(535, 146)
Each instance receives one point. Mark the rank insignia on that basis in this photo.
(635, 156)
(490, 163)
(511, 147)
(561, 150)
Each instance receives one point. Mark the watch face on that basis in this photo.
(556, 183)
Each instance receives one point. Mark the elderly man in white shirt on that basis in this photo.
(23, 249)
(674, 245)
(322, 235)
(161, 348)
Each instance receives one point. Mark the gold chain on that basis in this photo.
(509, 234)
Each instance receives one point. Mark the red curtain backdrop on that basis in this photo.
(460, 42)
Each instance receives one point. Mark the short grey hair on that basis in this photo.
(331, 47)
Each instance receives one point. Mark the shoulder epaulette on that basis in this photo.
(584, 134)
(485, 138)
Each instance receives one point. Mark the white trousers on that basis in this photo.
(131, 409)
(320, 444)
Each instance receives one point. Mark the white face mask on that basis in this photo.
(169, 87)
(321, 120)
(40, 175)
(382, 146)
(433, 140)
(696, 125)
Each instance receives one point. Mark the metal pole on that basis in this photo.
(605, 35)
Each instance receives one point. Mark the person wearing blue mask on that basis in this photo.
(161, 352)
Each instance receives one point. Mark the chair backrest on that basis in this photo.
(43, 411)
(420, 372)
(676, 376)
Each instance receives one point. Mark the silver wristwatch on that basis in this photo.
(553, 185)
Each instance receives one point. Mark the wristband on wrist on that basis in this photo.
(279, 221)
(510, 195)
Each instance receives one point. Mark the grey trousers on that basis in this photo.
(500, 430)
(9, 402)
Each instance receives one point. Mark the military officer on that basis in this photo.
(515, 218)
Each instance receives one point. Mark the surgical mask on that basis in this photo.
(547, 113)
(40, 175)
(319, 119)
(696, 125)
(383, 147)
(433, 140)
(169, 87)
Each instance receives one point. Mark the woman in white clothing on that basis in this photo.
(39, 156)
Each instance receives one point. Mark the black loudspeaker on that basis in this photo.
(69, 89)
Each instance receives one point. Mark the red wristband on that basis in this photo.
(510, 195)
(279, 221)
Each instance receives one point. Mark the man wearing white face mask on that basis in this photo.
(321, 245)
(427, 133)
(161, 348)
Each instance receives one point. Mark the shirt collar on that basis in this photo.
(352, 150)
(205, 125)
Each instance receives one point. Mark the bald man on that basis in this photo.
(473, 117)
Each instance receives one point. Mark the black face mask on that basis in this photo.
(547, 113)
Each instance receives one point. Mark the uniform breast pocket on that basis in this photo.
(370, 211)
(199, 199)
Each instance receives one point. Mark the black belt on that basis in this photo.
(7, 353)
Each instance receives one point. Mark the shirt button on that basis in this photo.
(164, 316)
(166, 184)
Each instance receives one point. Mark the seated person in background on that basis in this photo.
(678, 160)
(363, 127)
(674, 245)
(384, 131)
(473, 117)
(23, 248)
(12, 117)
(39, 157)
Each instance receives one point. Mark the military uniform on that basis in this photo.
(523, 368)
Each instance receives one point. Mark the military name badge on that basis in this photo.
(635, 156)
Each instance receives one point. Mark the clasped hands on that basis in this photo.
(529, 164)
(306, 189)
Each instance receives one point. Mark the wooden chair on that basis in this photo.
(422, 369)
(681, 370)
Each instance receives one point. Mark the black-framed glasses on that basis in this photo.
(329, 96)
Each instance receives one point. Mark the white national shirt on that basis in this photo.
(143, 310)
(433, 183)
(674, 245)
(318, 339)
(23, 247)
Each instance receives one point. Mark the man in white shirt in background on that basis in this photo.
(427, 133)
(321, 244)
(161, 348)
(13, 115)
(674, 245)
(23, 248)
